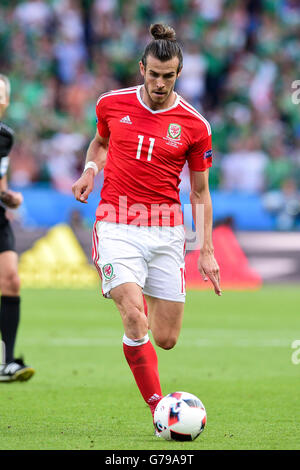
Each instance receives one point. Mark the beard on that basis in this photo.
(157, 98)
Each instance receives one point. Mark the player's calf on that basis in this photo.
(142, 360)
(165, 319)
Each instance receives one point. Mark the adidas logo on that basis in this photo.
(154, 398)
(126, 120)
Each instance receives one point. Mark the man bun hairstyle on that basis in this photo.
(164, 45)
(162, 31)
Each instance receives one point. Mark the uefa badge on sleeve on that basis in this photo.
(207, 154)
(108, 272)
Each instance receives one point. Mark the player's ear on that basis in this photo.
(179, 72)
(142, 68)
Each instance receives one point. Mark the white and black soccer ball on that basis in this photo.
(179, 416)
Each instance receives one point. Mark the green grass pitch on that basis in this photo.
(234, 352)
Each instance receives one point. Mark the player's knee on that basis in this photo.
(167, 342)
(132, 312)
(133, 315)
(10, 283)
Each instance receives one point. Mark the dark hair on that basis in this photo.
(164, 45)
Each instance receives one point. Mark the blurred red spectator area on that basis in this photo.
(236, 272)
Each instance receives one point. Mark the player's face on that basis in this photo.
(4, 100)
(159, 81)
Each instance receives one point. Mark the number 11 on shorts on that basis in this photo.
(139, 149)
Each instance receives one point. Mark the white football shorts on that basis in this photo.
(152, 257)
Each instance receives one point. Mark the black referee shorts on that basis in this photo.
(7, 239)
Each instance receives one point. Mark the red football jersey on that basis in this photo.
(147, 151)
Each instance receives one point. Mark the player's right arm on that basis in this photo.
(97, 153)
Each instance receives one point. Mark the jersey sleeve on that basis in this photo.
(199, 157)
(4, 162)
(6, 143)
(101, 118)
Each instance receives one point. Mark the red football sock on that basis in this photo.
(145, 306)
(142, 360)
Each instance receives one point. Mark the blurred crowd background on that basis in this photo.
(240, 61)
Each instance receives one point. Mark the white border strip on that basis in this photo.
(138, 94)
(199, 116)
(116, 94)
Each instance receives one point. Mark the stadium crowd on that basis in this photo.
(241, 59)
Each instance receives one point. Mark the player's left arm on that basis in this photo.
(200, 199)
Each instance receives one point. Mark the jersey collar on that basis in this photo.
(138, 94)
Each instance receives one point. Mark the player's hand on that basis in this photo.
(84, 186)
(11, 199)
(209, 269)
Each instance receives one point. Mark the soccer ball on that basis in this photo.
(179, 416)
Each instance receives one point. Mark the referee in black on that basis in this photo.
(11, 369)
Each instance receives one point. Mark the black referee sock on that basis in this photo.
(9, 322)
